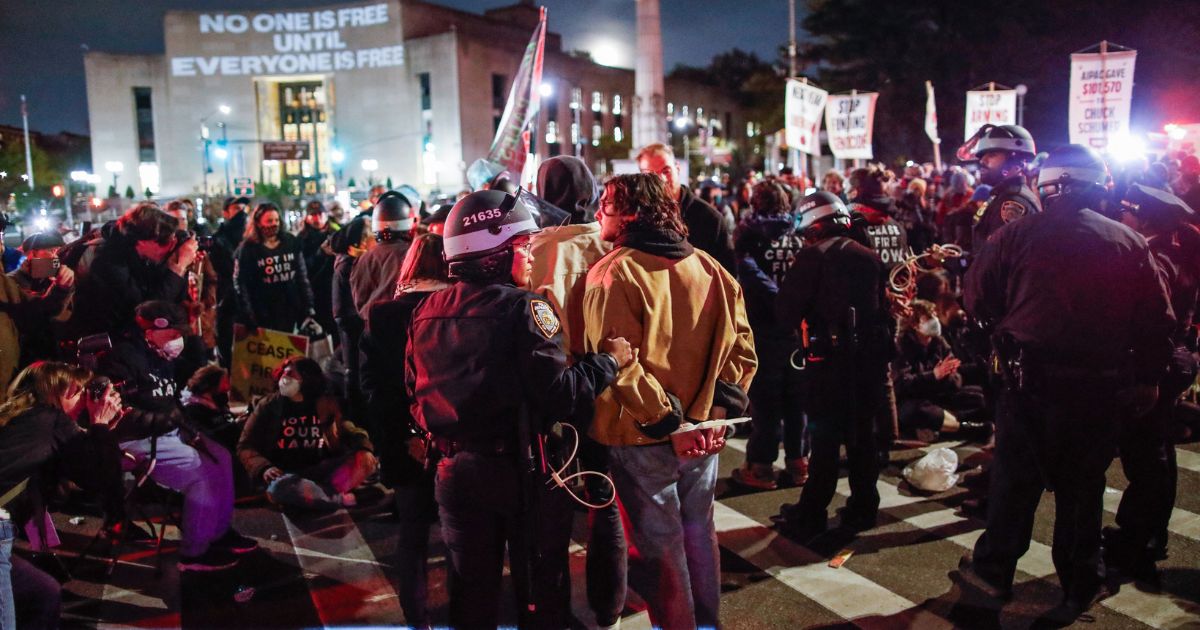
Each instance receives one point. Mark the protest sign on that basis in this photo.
(256, 354)
(849, 119)
(1101, 94)
(803, 107)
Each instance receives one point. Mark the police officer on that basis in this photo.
(1082, 328)
(485, 368)
(1004, 153)
(1147, 449)
(834, 295)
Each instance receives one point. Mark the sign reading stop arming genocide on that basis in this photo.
(803, 107)
(1101, 92)
(293, 42)
(256, 354)
(996, 107)
(849, 120)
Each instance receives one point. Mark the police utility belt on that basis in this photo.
(1023, 370)
(486, 446)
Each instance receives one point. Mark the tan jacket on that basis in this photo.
(561, 258)
(16, 302)
(687, 321)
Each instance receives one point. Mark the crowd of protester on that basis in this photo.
(652, 304)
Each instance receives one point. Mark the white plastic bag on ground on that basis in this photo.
(935, 472)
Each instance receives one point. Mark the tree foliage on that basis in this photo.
(47, 172)
(894, 47)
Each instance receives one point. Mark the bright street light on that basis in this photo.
(220, 153)
(114, 167)
(546, 89)
(337, 156)
(80, 176)
(370, 165)
(681, 123)
(225, 109)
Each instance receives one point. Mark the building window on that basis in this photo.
(597, 102)
(701, 121)
(576, 98)
(597, 131)
(616, 108)
(426, 91)
(574, 133)
(144, 115)
(671, 110)
(499, 98)
(552, 132)
(618, 135)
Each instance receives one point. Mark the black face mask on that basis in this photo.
(221, 399)
(270, 232)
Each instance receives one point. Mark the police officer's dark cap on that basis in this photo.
(42, 240)
(1154, 204)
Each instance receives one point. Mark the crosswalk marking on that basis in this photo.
(361, 593)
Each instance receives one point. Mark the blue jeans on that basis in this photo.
(205, 482)
(39, 594)
(669, 501)
(320, 487)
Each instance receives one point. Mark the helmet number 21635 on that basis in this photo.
(480, 217)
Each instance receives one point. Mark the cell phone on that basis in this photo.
(42, 268)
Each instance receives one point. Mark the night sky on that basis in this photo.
(41, 40)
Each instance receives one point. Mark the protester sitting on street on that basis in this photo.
(144, 363)
(206, 405)
(139, 258)
(270, 276)
(37, 424)
(932, 398)
(297, 443)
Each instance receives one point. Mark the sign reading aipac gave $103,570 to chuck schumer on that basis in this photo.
(293, 42)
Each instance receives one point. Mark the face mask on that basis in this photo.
(288, 386)
(221, 399)
(171, 350)
(270, 232)
(930, 328)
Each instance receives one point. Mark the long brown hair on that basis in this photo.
(425, 260)
(41, 383)
(645, 197)
(252, 234)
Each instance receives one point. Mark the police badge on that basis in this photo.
(544, 317)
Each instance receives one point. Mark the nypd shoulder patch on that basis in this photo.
(544, 317)
(1012, 210)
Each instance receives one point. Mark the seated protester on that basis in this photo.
(206, 405)
(144, 364)
(297, 442)
(929, 389)
(37, 424)
(23, 312)
(139, 258)
(401, 444)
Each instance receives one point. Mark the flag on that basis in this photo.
(511, 144)
(931, 114)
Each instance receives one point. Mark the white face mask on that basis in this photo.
(288, 386)
(171, 350)
(931, 327)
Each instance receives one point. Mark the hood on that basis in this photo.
(876, 210)
(667, 243)
(770, 226)
(566, 182)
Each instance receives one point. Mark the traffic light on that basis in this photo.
(57, 190)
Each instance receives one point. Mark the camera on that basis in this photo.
(42, 268)
(203, 243)
(97, 388)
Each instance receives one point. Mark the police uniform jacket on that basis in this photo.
(1011, 191)
(478, 354)
(1077, 289)
(686, 317)
(562, 256)
(373, 277)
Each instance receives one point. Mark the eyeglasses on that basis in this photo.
(523, 248)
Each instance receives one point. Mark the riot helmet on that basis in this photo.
(821, 211)
(1013, 141)
(392, 216)
(1072, 170)
(479, 232)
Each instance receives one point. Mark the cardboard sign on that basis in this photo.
(849, 121)
(803, 106)
(997, 107)
(1101, 94)
(256, 354)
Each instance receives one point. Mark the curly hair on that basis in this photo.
(770, 198)
(147, 222)
(645, 197)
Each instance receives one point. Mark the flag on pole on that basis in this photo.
(931, 114)
(512, 141)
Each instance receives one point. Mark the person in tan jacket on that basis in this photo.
(694, 360)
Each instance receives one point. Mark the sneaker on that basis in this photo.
(347, 499)
(757, 476)
(796, 473)
(215, 559)
(236, 543)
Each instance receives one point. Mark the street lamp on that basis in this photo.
(1021, 90)
(224, 110)
(115, 168)
(546, 89)
(370, 166)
